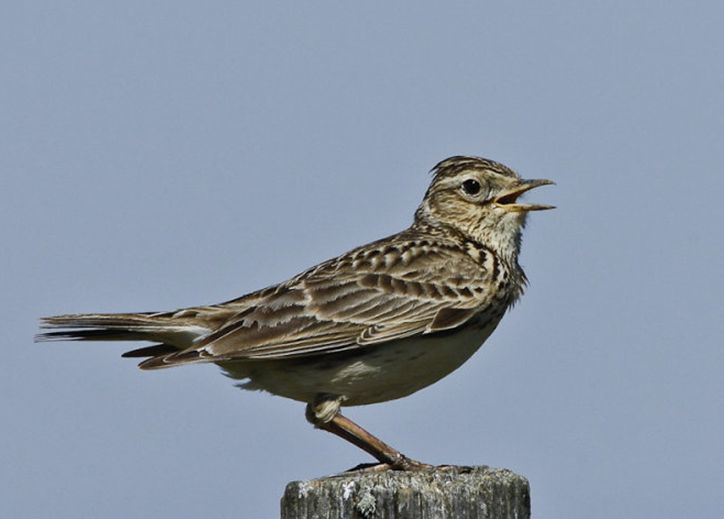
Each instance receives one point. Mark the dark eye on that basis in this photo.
(471, 187)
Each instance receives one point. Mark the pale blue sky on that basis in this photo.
(155, 155)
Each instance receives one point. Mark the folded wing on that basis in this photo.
(369, 296)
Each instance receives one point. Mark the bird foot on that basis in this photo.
(406, 464)
(403, 463)
(460, 469)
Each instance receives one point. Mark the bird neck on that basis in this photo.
(503, 242)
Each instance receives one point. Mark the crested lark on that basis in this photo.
(378, 323)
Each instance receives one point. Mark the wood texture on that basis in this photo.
(440, 493)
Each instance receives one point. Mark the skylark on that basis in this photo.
(377, 323)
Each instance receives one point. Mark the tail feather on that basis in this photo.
(91, 335)
(173, 332)
(151, 351)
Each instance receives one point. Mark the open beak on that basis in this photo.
(508, 200)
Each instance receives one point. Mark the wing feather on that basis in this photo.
(370, 295)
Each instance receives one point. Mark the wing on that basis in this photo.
(381, 292)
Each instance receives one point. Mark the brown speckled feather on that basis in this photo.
(394, 288)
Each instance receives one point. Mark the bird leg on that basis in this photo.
(324, 414)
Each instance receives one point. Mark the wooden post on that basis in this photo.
(439, 493)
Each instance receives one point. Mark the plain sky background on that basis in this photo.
(155, 155)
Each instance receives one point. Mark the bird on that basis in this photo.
(374, 324)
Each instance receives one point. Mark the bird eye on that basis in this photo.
(471, 187)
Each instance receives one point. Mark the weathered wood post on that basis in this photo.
(439, 493)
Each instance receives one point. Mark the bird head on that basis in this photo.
(480, 199)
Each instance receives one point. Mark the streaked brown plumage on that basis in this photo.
(374, 324)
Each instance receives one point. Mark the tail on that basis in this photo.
(172, 333)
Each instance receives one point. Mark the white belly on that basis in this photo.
(369, 375)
